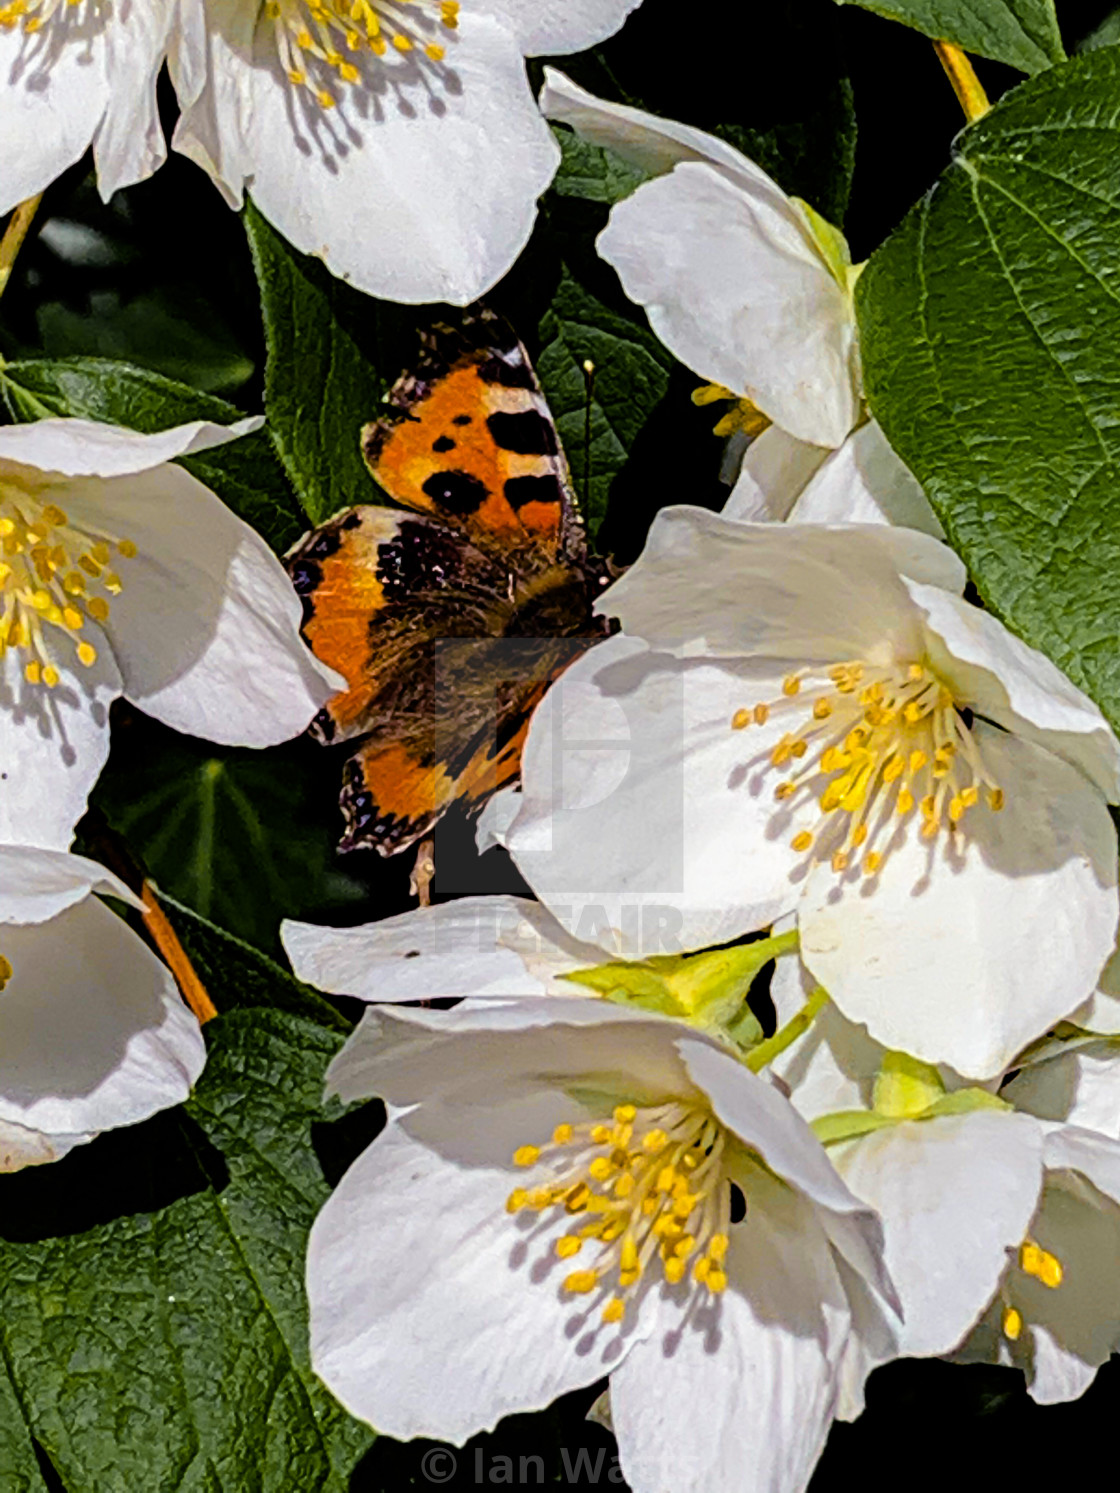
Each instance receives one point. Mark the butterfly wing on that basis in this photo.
(468, 437)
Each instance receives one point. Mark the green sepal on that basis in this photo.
(849, 1124)
(706, 990)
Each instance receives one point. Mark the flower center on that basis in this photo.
(743, 416)
(6, 971)
(317, 39)
(650, 1188)
(54, 576)
(874, 745)
(1040, 1265)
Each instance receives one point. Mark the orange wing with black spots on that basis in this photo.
(419, 610)
(468, 437)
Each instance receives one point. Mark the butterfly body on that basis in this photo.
(449, 616)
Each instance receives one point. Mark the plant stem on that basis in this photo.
(966, 85)
(14, 235)
(795, 1027)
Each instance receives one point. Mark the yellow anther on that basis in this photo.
(716, 1281)
(822, 709)
(1012, 1324)
(614, 1310)
(568, 1245)
(624, 1185)
(718, 1245)
(87, 654)
(625, 1114)
(324, 99)
(791, 685)
(517, 1200)
(581, 1281)
(526, 1155)
(437, 54)
(872, 861)
(50, 676)
(701, 1269)
(628, 1259)
(98, 608)
(72, 618)
(839, 861)
(801, 841)
(6, 971)
(562, 1135)
(905, 801)
(601, 1169)
(41, 601)
(401, 42)
(32, 672)
(995, 798)
(859, 834)
(54, 516)
(674, 1270)
(761, 714)
(740, 720)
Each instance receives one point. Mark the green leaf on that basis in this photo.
(150, 1287)
(1022, 33)
(592, 172)
(244, 838)
(245, 474)
(631, 375)
(990, 327)
(332, 354)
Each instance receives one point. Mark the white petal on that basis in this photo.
(556, 26)
(1059, 1375)
(498, 814)
(37, 884)
(53, 743)
(735, 287)
(775, 470)
(484, 1047)
(93, 1032)
(955, 1194)
(1094, 1156)
(129, 145)
(805, 593)
(1080, 1088)
(1101, 1012)
(20, 1147)
(448, 161)
(473, 946)
(86, 448)
(53, 93)
(653, 144)
(1019, 688)
(833, 1066)
(655, 830)
(434, 1312)
(206, 627)
(931, 955)
(741, 1394)
(865, 482)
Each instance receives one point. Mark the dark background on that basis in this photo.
(161, 276)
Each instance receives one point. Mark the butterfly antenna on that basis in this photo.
(589, 387)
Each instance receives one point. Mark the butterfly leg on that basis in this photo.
(423, 872)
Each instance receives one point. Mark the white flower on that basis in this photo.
(1001, 1226)
(76, 73)
(493, 1248)
(753, 290)
(120, 573)
(397, 139)
(93, 1033)
(928, 793)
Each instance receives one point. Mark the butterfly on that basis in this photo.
(449, 615)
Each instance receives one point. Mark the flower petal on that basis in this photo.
(53, 745)
(865, 482)
(93, 1032)
(735, 287)
(86, 448)
(37, 884)
(1101, 1012)
(965, 955)
(833, 1066)
(807, 593)
(742, 1393)
(955, 1194)
(129, 144)
(1019, 688)
(1079, 1088)
(20, 1147)
(206, 627)
(51, 102)
(474, 946)
(653, 144)
(553, 27)
(775, 470)
(454, 155)
(656, 829)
